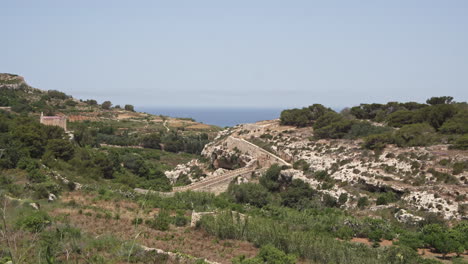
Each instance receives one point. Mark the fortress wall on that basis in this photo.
(264, 157)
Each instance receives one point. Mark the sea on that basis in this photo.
(222, 117)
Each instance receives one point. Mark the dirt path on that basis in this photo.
(164, 124)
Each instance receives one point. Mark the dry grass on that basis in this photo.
(183, 239)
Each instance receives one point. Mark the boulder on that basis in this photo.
(404, 217)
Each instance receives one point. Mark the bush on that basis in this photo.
(334, 130)
(377, 142)
(91, 102)
(250, 193)
(60, 148)
(161, 221)
(56, 94)
(461, 143)
(303, 117)
(180, 219)
(456, 125)
(386, 198)
(415, 135)
(402, 117)
(129, 107)
(297, 194)
(270, 180)
(343, 198)
(106, 105)
(151, 141)
(71, 103)
(36, 176)
(33, 221)
(364, 129)
(363, 202)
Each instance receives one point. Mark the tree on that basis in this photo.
(415, 135)
(91, 102)
(106, 105)
(461, 142)
(270, 179)
(60, 148)
(401, 118)
(105, 165)
(56, 94)
(377, 142)
(151, 141)
(250, 193)
(363, 202)
(439, 100)
(297, 192)
(136, 164)
(129, 107)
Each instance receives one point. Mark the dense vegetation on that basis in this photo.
(440, 120)
(296, 219)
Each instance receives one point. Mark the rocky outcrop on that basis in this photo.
(11, 81)
(411, 173)
(433, 203)
(221, 156)
(404, 217)
(184, 169)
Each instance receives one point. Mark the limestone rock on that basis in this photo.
(52, 197)
(404, 217)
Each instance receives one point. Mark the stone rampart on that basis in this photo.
(264, 158)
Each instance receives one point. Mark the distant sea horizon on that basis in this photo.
(217, 116)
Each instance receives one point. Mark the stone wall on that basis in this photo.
(59, 121)
(264, 158)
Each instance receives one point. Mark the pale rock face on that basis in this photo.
(180, 169)
(429, 202)
(404, 170)
(222, 157)
(218, 172)
(52, 197)
(297, 174)
(241, 180)
(34, 206)
(404, 217)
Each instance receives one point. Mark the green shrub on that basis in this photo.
(270, 179)
(180, 219)
(386, 198)
(250, 193)
(461, 142)
(297, 194)
(415, 135)
(459, 167)
(377, 142)
(36, 176)
(33, 221)
(363, 129)
(161, 221)
(363, 202)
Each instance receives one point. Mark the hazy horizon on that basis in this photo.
(243, 54)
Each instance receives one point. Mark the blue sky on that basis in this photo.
(242, 53)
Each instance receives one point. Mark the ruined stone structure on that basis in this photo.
(264, 158)
(60, 121)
